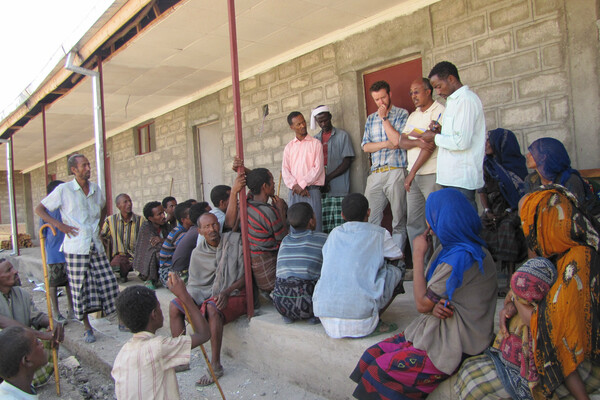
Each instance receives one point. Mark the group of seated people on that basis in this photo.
(548, 342)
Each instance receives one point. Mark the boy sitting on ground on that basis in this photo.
(299, 265)
(145, 366)
(22, 355)
(357, 284)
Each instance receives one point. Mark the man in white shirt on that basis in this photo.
(81, 204)
(219, 195)
(422, 156)
(461, 136)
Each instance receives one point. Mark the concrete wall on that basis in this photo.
(19, 198)
(534, 63)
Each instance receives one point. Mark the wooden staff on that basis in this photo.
(212, 373)
(279, 186)
(171, 188)
(47, 285)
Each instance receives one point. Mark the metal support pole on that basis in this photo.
(11, 196)
(98, 131)
(107, 181)
(239, 147)
(45, 147)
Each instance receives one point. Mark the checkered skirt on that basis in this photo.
(92, 282)
(332, 212)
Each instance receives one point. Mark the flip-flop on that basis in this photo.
(88, 336)
(207, 380)
(382, 328)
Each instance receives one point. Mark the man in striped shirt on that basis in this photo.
(119, 235)
(266, 226)
(299, 265)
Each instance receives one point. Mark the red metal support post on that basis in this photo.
(239, 147)
(45, 147)
(107, 180)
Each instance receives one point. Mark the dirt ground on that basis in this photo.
(86, 377)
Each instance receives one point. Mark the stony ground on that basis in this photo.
(85, 377)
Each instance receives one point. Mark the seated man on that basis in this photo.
(356, 284)
(22, 354)
(266, 223)
(169, 203)
(152, 233)
(119, 235)
(182, 213)
(299, 265)
(188, 242)
(219, 195)
(17, 309)
(216, 282)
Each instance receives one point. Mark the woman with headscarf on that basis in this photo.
(507, 369)
(457, 299)
(552, 164)
(504, 173)
(567, 323)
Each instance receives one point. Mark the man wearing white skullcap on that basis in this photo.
(337, 155)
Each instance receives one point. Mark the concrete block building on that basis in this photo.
(168, 97)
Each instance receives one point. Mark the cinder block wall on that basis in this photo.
(19, 198)
(524, 58)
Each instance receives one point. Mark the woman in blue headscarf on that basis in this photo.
(504, 172)
(457, 299)
(551, 161)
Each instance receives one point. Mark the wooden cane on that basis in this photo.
(212, 373)
(48, 301)
(279, 186)
(171, 188)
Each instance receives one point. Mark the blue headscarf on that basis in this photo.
(552, 159)
(457, 225)
(507, 165)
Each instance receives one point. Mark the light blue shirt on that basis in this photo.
(80, 211)
(220, 217)
(374, 133)
(353, 273)
(462, 141)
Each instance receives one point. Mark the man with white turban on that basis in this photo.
(337, 155)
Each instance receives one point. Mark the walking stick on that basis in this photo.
(47, 285)
(279, 186)
(212, 373)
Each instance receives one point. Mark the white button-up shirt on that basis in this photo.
(462, 141)
(80, 211)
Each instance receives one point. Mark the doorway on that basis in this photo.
(211, 158)
(399, 76)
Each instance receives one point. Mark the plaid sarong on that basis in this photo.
(93, 283)
(292, 297)
(331, 207)
(264, 266)
(478, 379)
(57, 274)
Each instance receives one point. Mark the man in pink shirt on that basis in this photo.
(302, 168)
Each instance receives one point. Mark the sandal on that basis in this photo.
(207, 379)
(88, 336)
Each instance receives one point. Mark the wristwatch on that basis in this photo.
(385, 118)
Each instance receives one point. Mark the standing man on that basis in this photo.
(81, 205)
(422, 156)
(461, 136)
(302, 168)
(337, 155)
(388, 161)
(119, 233)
